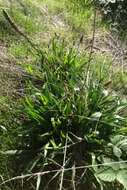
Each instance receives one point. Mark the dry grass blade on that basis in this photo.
(60, 170)
(73, 177)
(38, 182)
(64, 160)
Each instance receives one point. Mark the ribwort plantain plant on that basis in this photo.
(64, 110)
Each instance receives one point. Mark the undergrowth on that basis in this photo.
(69, 119)
(71, 116)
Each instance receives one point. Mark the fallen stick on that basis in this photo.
(18, 30)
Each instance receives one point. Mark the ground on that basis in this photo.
(40, 21)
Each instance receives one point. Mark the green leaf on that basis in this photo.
(3, 128)
(123, 165)
(53, 122)
(117, 151)
(122, 177)
(44, 99)
(53, 144)
(116, 139)
(44, 135)
(124, 145)
(108, 175)
(113, 165)
(62, 134)
(96, 115)
(94, 162)
(46, 150)
(10, 152)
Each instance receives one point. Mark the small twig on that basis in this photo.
(93, 36)
(73, 177)
(86, 79)
(60, 170)
(64, 161)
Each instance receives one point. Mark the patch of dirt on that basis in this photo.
(111, 44)
(10, 74)
(58, 22)
(107, 44)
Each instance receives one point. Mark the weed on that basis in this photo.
(62, 104)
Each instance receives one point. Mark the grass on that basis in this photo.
(119, 83)
(62, 70)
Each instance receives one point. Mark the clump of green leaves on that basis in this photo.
(68, 107)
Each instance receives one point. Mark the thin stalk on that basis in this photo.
(64, 161)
